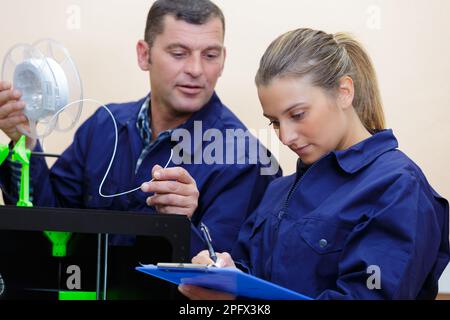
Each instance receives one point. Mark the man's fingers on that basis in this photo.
(174, 200)
(173, 210)
(169, 180)
(8, 95)
(4, 85)
(154, 169)
(12, 122)
(164, 187)
(11, 107)
(177, 173)
(175, 191)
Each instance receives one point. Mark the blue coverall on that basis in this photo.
(354, 215)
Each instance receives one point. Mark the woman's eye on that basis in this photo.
(298, 116)
(274, 123)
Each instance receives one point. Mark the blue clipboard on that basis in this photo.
(229, 280)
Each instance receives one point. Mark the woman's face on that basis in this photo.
(307, 119)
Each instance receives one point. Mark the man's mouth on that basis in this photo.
(190, 89)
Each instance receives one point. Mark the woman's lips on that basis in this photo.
(303, 150)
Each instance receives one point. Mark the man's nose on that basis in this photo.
(194, 66)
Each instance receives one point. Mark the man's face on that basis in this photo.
(185, 62)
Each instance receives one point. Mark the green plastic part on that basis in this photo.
(22, 155)
(59, 242)
(77, 295)
(4, 152)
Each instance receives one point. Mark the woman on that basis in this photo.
(358, 220)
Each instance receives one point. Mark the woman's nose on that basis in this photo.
(287, 135)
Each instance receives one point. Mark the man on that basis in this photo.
(184, 54)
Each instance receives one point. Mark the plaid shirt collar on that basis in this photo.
(143, 124)
(145, 131)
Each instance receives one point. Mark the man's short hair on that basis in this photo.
(191, 11)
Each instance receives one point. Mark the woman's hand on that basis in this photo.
(199, 293)
(223, 259)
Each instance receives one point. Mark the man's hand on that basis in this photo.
(199, 293)
(175, 191)
(11, 113)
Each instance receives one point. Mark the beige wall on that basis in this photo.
(407, 39)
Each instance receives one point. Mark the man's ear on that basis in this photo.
(224, 59)
(346, 92)
(143, 55)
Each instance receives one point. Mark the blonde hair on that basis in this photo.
(325, 59)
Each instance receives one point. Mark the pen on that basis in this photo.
(208, 240)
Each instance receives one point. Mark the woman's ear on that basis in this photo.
(346, 92)
(143, 55)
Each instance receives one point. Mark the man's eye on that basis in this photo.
(211, 55)
(177, 54)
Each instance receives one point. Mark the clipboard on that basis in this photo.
(231, 280)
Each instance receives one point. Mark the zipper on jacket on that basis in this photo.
(282, 214)
(294, 187)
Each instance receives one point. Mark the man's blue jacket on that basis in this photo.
(228, 192)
